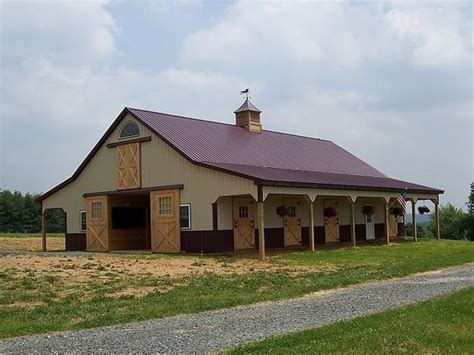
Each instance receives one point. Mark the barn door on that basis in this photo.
(128, 166)
(244, 224)
(292, 222)
(392, 225)
(165, 229)
(331, 224)
(97, 223)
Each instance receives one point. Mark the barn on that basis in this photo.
(168, 183)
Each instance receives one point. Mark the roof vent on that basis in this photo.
(248, 116)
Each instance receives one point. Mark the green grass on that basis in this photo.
(90, 304)
(443, 325)
(30, 235)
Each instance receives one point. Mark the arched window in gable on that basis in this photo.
(129, 129)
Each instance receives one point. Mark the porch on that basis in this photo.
(288, 218)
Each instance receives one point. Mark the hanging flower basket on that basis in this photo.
(423, 210)
(282, 211)
(330, 212)
(396, 211)
(368, 210)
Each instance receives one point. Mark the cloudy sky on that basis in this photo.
(390, 81)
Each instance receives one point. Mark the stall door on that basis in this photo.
(369, 227)
(392, 225)
(331, 224)
(292, 222)
(165, 229)
(97, 223)
(244, 224)
(128, 166)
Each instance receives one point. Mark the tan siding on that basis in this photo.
(224, 213)
(161, 165)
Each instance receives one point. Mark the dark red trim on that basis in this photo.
(130, 141)
(134, 191)
(207, 241)
(214, 217)
(260, 193)
(75, 241)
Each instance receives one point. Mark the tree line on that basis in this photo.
(20, 213)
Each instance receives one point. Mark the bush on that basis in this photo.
(420, 229)
(452, 223)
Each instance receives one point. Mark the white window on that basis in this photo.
(96, 210)
(83, 221)
(164, 206)
(185, 216)
(292, 211)
(129, 129)
(243, 212)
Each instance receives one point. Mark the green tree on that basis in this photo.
(21, 213)
(420, 230)
(451, 221)
(470, 202)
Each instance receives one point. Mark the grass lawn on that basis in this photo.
(54, 292)
(443, 325)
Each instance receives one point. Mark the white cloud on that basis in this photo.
(62, 31)
(299, 32)
(437, 34)
(335, 33)
(361, 75)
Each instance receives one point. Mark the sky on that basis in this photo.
(392, 82)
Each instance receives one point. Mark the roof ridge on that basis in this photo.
(185, 117)
(227, 124)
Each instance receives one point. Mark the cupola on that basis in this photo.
(248, 117)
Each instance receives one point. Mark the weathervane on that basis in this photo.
(245, 92)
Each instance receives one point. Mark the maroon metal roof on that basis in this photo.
(213, 142)
(269, 157)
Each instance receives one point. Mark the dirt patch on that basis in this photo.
(134, 291)
(31, 244)
(71, 268)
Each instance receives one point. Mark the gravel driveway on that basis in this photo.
(216, 330)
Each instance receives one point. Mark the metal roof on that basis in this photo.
(270, 157)
(247, 106)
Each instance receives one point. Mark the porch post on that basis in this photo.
(43, 229)
(353, 231)
(311, 225)
(261, 224)
(387, 231)
(413, 220)
(438, 233)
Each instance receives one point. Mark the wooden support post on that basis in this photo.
(43, 229)
(261, 231)
(438, 232)
(311, 225)
(353, 231)
(413, 220)
(387, 230)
